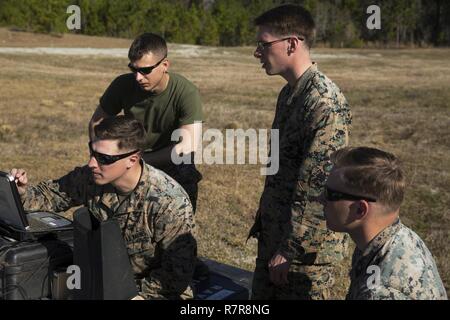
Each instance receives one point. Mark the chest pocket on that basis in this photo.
(136, 234)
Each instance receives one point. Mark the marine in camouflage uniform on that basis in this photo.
(313, 119)
(156, 220)
(407, 269)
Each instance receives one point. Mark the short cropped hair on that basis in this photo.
(372, 172)
(289, 20)
(145, 43)
(129, 132)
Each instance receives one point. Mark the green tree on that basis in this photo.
(232, 20)
(160, 18)
(398, 18)
(209, 34)
(188, 27)
(93, 16)
(34, 15)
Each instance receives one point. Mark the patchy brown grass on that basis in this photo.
(399, 98)
(9, 38)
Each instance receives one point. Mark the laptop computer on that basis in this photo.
(16, 221)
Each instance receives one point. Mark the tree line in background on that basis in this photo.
(340, 23)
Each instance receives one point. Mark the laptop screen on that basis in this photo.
(9, 209)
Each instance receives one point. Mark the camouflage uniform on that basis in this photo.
(406, 268)
(313, 120)
(156, 220)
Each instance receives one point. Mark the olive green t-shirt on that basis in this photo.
(179, 104)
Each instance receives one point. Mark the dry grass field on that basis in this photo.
(400, 101)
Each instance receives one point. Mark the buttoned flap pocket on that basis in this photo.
(141, 252)
(138, 242)
(135, 231)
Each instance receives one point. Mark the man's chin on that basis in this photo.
(99, 180)
(269, 72)
(145, 87)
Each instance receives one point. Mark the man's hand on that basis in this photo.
(191, 138)
(278, 269)
(190, 135)
(97, 117)
(21, 179)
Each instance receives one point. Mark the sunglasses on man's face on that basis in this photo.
(106, 159)
(334, 195)
(261, 45)
(145, 70)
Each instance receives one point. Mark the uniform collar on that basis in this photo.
(363, 257)
(109, 204)
(301, 83)
(139, 191)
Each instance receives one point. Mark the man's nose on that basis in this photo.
(138, 76)
(257, 54)
(92, 163)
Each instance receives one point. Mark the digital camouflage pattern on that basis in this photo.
(313, 120)
(305, 282)
(407, 269)
(156, 220)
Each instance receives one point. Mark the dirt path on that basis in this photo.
(17, 42)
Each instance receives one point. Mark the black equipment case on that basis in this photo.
(35, 268)
(28, 269)
(225, 282)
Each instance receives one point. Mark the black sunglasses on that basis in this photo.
(106, 159)
(145, 70)
(334, 195)
(261, 45)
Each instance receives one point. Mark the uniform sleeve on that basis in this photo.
(177, 248)
(58, 195)
(382, 292)
(111, 100)
(326, 133)
(190, 109)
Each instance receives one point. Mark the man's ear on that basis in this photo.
(133, 160)
(166, 64)
(293, 45)
(362, 209)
